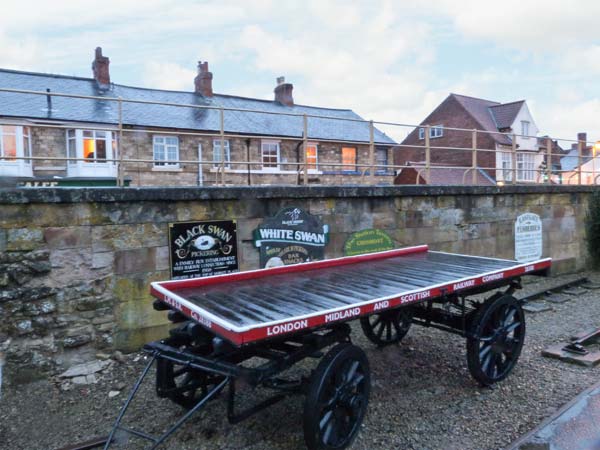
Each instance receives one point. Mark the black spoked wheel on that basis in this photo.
(337, 398)
(498, 330)
(183, 385)
(387, 328)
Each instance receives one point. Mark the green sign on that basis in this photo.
(292, 236)
(368, 241)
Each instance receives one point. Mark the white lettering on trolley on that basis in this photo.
(172, 302)
(529, 268)
(201, 320)
(415, 296)
(464, 284)
(287, 327)
(381, 305)
(496, 276)
(339, 315)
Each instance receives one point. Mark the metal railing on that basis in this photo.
(364, 170)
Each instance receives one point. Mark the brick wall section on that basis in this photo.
(75, 264)
(451, 114)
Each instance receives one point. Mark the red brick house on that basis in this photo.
(495, 155)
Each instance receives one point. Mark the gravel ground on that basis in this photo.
(422, 396)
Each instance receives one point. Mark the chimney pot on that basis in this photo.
(203, 81)
(100, 69)
(283, 92)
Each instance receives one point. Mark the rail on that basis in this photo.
(154, 155)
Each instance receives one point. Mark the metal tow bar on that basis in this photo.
(157, 440)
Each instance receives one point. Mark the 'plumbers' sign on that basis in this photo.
(292, 236)
(201, 249)
(528, 237)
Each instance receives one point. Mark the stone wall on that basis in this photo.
(75, 264)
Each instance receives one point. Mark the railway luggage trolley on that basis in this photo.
(248, 327)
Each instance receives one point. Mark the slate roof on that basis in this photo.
(492, 116)
(505, 114)
(163, 116)
(571, 160)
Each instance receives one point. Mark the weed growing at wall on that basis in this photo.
(593, 228)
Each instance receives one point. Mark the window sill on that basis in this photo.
(173, 168)
(263, 171)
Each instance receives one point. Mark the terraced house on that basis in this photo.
(81, 138)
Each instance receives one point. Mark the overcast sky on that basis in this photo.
(386, 60)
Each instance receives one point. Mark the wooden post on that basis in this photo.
(371, 153)
(513, 160)
(120, 170)
(549, 160)
(305, 148)
(427, 153)
(474, 157)
(222, 132)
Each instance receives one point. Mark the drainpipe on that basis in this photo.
(248, 142)
(200, 177)
(298, 160)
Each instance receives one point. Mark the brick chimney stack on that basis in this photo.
(283, 92)
(582, 138)
(203, 81)
(100, 69)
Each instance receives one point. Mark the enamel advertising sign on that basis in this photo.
(292, 236)
(201, 249)
(528, 237)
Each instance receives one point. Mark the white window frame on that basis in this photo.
(525, 128)
(526, 167)
(263, 143)
(436, 131)
(381, 167)
(90, 168)
(421, 133)
(17, 167)
(217, 153)
(161, 140)
(316, 165)
(506, 164)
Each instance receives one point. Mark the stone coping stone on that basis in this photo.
(128, 194)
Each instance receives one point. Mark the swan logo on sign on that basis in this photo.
(201, 249)
(528, 237)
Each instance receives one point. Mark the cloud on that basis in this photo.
(387, 60)
(169, 76)
(532, 25)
